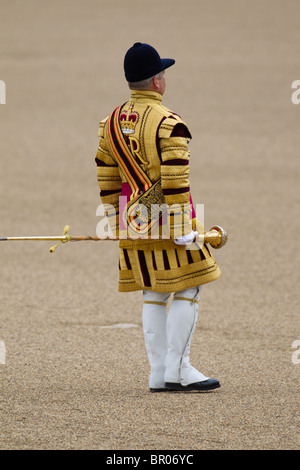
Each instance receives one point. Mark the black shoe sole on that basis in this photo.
(205, 386)
(197, 387)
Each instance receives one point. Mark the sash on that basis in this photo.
(147, 205)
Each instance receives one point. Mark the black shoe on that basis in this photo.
(203, 386)
(156, 390)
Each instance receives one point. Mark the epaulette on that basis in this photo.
(168, 125)
(101, 127)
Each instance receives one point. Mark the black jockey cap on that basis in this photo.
(142, 61)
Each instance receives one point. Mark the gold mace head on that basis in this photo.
(218, 236)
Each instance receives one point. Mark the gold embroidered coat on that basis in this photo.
(158, 139)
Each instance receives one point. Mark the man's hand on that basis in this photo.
(186, 239)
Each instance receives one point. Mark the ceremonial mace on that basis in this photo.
(216, 237)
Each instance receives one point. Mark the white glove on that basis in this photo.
(186, 239)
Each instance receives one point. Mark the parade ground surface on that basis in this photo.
(74, 371)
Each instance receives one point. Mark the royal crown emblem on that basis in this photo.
(128, 121)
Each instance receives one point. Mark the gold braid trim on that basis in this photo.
(154, 302)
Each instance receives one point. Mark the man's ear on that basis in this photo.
(156, 82)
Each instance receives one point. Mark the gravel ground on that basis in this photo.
(67, 382)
